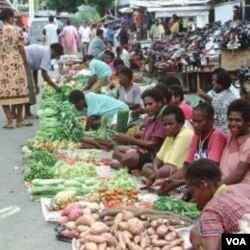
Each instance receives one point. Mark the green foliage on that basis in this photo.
(86, 13)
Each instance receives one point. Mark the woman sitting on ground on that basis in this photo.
(208, 142)
(173, 152)
(147, 141)
(235, 161)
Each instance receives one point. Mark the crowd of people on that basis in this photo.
(200, 153)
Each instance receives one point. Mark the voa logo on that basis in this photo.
(236, 241)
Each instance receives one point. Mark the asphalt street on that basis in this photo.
(22, 226)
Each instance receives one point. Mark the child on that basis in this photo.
(128, 92)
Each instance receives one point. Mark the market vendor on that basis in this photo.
(39, 57)
(109, 58)
(221, 206)
(173, 152)
(97, 45)
(208, 142)
(222, 82)
(128, 92)
(235, 161)
(157, 31)
(96, 104)
(100, 73)
(135, 152)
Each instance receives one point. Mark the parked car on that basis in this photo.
(36, 29)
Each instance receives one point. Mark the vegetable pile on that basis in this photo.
(180, 207)
(57, 117)
(40, 165)
(126, 232)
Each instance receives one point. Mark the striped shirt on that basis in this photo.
(222, 213)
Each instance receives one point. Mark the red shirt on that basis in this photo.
(187, 110)
(216, 143)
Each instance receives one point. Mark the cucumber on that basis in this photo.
(47, 190)
(47, 182)
(72, 183)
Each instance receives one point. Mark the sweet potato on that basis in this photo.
(91, 246)
(173, 244)
(150, 231)
(162, 231)
(102, 246)
(110, 239)
(145, 241)
(177, 248)
(86, 220)
(170, 236)
(94, 238)
(121, 242)
(99, 228)
(126, 237)
(118, 219)
(74, 214)
(82, 247)
(95, 216)
(77, 244)
(82, 228)
(69, 233)
(133, 246)
(137, 239)
(159, 243)
(154, 224)
(135, 226)
(127, 215)
(70, 225)
(123, 226)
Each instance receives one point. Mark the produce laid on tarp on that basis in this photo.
(68, 170)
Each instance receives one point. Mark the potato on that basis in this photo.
(135, 226)
(127, 215)
(159, 243)
(70, 225)
(94, 207)
(99, 228)
(123, 226)
(86, 220)
(91, 246)
(84, 233)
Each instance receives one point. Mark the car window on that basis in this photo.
(37, 28)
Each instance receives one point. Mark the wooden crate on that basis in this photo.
(234, 59)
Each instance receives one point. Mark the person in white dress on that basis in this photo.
(85, 36)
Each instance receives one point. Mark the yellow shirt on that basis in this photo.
(174, 150)
(175, 28)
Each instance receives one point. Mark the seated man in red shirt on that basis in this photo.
(221, 206)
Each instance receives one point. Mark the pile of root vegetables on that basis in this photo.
(127, 232)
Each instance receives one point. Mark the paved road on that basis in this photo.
(24, 229)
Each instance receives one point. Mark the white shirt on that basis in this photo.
(125, 57)
(51, 33)
(38, 57)
(85, 34)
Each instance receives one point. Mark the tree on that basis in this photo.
(71, 5)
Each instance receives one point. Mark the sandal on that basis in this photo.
(8, 126)
(30, 117)
(24, 124)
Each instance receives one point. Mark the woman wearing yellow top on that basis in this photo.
(174, 25)
(173, 152)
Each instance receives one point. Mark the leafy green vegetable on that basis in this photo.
(180, 207)
(62, 170)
